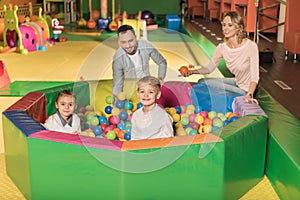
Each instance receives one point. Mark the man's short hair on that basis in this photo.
(124, 28)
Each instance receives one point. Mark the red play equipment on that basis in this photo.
(4, 78)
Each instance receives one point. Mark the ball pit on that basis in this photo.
(192, 119)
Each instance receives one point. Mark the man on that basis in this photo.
(131, 60)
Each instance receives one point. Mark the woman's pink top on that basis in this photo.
(242, 62)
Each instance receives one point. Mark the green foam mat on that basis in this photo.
(21, 88)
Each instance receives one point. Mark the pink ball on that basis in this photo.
(194, 125)
(114, 119)
(192, 117)
(108, 128)
(82, 110)
(204, 114)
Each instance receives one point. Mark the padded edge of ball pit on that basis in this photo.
(34, 103)
(168, 142)
(175, 93)
(212, 98)
(283, 158)
(207, 173)
(78, 140)
(243, 108)
(245, 143)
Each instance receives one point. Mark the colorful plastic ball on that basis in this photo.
(108, 109)
(192, 117)
(121, 96)
(172, 111)
(234, 118)
(183, 109)
(90, 116)
(128, 105)
(82, 110)
(111, 135)
(226, 122)
(189, 111)
(184, 120)
(97, 130)
(127, 136)
(211, 114)
(203, 114)
(207, 128)
(188, 130)
(108, 128)
(193, 132)
(139, 105)
(115, 111)
(214, 128)
(128, 129)
(222, 116)
(207, 121)
(94, 121)
(102, 119)
(109, 99)
(199, 119)
(123, 115)
(217, 122)
(232, 115)
(194, 125)
(176, 117)
(103, 126)
(198, 109)
(183, 69)
(114, 119)
(120, 104)
(190, 107)
(178, 109)
(121, 126)
(89, 108)
(121, 134)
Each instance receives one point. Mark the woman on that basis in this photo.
(241, 58)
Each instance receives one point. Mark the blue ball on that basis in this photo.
(198, 109)
(120, 104)
(123, 115)
(178, 109)
(226, 122)
(193, 132)
(127, 136)
(108, 109)
(97, 130)
(234, 118)
(128, 129)
(139, 105)
(121, 126)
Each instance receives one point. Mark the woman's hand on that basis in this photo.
(249, 98)
(186, 73)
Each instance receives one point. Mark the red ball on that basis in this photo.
(183, 69)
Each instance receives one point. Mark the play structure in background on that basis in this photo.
(26, 37)
(26, 33)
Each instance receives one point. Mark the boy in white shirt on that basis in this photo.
(150, 121)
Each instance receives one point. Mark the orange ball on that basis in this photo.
(183, 69)
(207, 121)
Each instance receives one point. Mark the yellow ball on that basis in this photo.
(121, 96)
(172, 111)
(189, 111)
(191, 107)
(176, 117)
(89, 108)
(115, 111)
(199, 119)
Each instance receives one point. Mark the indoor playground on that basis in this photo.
(222, 148)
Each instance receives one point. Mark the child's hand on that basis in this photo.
(75, 133)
